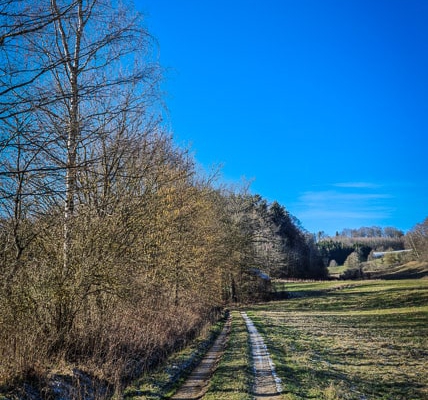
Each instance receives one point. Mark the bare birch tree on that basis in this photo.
(72, 73)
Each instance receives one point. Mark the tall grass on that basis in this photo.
(162, 381)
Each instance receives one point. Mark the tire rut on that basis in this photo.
(267, 385)
(197, 383)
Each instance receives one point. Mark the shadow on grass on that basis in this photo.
(390, 340)
(338, 299)
(309, 383)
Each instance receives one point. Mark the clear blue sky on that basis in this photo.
(323, 104)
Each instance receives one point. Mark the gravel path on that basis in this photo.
(197, 384)
(267, 384)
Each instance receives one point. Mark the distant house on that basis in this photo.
(262, 282)
(381, 254)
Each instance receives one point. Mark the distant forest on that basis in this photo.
(364, 241)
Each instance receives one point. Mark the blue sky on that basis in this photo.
(321, 104)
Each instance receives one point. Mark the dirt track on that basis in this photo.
(266, 383)
(197, 384)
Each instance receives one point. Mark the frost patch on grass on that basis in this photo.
(264, 368)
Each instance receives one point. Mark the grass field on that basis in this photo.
(335, 272)
(381, 269)
(350, 340)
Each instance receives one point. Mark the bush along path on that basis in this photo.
(267, 385)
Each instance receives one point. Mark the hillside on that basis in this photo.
(375, 269)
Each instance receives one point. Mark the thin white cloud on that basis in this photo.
(361, 185)
(336, 196)
(329, 215)
(346, 205)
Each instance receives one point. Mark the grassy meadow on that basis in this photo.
(349, 340)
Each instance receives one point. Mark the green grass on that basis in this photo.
(231, 381)
(233, 377)
(332, 340)
(380, 269)
(383, 269)
(350, 340)
(337, 271)
(299, 286)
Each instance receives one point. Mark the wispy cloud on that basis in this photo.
(350, 217)
(334, 197)
(361, 185)
(344, 205)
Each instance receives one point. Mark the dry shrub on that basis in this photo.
(127, 340)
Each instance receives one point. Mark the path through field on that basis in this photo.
(267, 384)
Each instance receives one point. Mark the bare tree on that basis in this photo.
(417, 239)
(21, 20)
(73, 75)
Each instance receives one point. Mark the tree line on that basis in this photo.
(372, 232)
(114, 249)
(362, 242)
